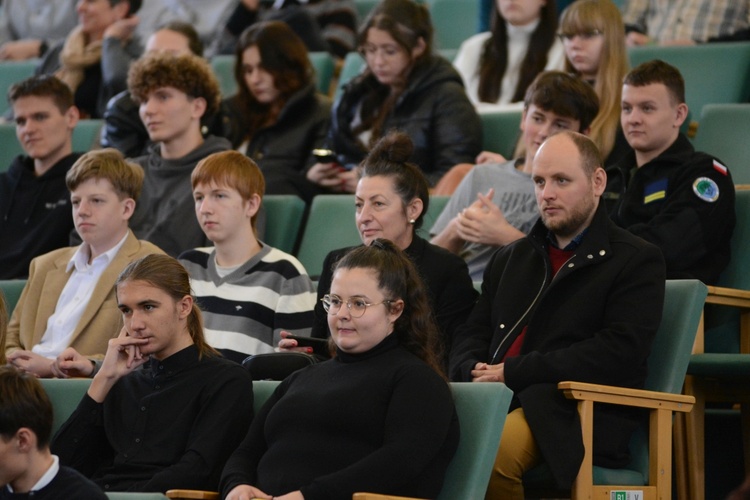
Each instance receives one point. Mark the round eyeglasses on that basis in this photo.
(357, 306)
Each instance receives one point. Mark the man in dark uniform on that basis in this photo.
(664, 191)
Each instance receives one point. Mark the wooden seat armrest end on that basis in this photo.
(625, 396)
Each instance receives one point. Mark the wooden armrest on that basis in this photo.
(378, 496)
(628, 397)
(190, 494)
(728, 296)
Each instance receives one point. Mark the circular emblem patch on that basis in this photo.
(706, 189)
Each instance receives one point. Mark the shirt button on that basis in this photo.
(137, 440)
(143, 408)
(158, 387)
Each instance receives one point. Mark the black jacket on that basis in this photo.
(283, 151)
(593, 322)
(35, 214)
(659, 203)
(433, 110)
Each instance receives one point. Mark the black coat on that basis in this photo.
(433, 110)
(593, 322)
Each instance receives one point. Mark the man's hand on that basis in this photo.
(71, 363)
(31, 362)
(123, 356)
(20, 50)
(634, 39)
(246, 492)
(483, 222)
(122, 29)
(483, 372)
(489, 157)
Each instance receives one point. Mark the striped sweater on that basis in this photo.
(245, 311)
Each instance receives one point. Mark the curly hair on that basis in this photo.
(187, 73)
(415, 329)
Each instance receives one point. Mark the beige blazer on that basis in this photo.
(101, 319)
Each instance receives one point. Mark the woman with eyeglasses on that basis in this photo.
(390, 202)
(379, 417)
(405, 87)
(593, 35)
(277, 116)
(497, 66)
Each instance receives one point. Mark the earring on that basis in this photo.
(412, 221)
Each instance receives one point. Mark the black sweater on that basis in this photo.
(381, 421)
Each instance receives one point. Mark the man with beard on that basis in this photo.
(576, 299)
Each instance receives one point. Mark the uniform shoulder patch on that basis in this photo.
(720, 168)
(706, 189)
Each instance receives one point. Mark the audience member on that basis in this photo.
(497, 66)
(593, 37)
(173, 422)
(277, 117)
(206, 17)
(94, 58)
(175, 93)
(29, 27)
(474, 224)
(577, 299)
(27, 467)
(323, 25)
(664, 191)
(123, 128)
(34, 201)
(404, 87)
(249, 291)
(391, 200)
(358, 422)
(686, 23)
(69, 300)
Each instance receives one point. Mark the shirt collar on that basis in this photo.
(47, 477)
(80, 259)
(574, 243)
(176, 362)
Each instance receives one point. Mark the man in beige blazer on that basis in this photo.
(69, 300)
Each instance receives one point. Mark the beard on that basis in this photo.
(570, 226)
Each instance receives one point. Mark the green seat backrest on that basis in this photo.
(65, 394)
(454, 21)
(12, 292)
(330, 225)
(713, 72)
(437, 204)
(354, 63)
(500, 131)
(723, 132)
(262, 390)
(363, 8)
(737, 273)
(86, 135)
(324, 66)
(481, 409)
(284, 214)
(13, 72)
(9, 145)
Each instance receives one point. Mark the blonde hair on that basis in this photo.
(126, 178)
(584, 16)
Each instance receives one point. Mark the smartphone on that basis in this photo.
(319, 346)
(324, 155)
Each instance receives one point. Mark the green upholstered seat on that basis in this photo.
(284, 214)
(667, 365)
(11, 290)
(500, 131)
(65, 394)
(723, 132)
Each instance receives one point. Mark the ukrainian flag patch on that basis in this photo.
(654, 191)
(706, 189)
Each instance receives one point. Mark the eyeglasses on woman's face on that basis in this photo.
(356, 305)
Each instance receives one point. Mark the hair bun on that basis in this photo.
(394, 147)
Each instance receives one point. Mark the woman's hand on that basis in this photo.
(325, 174)
(246, 492)
(289, 345)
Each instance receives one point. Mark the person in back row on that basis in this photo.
(248, 290)
(494, 204)
(165, 410)
(34, 200)
(27, 467)
(175, 94)
(67, 311)
(679, 199)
